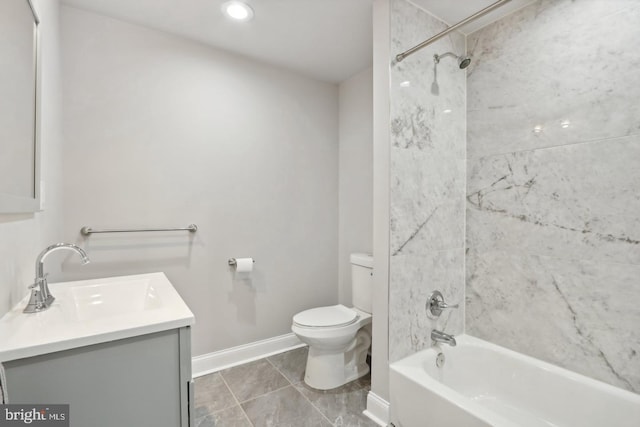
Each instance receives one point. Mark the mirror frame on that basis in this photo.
(19, 204)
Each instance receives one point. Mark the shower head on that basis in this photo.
(463, 60)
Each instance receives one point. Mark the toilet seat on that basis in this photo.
(326, 317)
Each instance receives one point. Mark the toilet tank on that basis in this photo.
(362, 281)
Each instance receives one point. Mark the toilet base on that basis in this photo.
(329, 369)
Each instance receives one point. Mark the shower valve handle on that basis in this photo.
(435, 305)
(444, 305)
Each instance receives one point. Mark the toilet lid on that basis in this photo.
(322, 317)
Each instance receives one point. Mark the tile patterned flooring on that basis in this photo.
(271, 392)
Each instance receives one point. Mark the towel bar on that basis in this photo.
(86, 230)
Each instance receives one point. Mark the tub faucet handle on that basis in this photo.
(436, 304)
(445, 305)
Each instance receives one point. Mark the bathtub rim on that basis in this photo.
(411, 368)
(465, 339)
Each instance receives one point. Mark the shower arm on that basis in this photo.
(403, 55)
(437, 57)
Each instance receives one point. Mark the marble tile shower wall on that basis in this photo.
(553, 224)
(427, 180)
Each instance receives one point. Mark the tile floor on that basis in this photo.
(271, 392)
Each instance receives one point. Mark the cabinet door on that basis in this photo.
(130, 382)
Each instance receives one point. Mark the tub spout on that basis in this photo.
(439, 336)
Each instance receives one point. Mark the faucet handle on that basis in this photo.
(435, 305)
(444, 305)
(37, 280)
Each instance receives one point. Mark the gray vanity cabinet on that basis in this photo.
(142, 381)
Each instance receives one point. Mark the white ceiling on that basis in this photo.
(329, 40)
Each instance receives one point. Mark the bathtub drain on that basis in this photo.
(440, 360)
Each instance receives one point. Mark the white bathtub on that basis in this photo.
(482, 384)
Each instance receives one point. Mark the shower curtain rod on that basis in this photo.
(401, 56)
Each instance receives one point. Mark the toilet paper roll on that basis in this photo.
(244, 265)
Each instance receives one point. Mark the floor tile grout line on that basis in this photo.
(270, 391)
(301, 383)
(246, 416)
(212, 395)
(279, 371)
(265, 394)
(276, 368)
(302, 394)
(290, 383)
(314, 406)
(237, 401)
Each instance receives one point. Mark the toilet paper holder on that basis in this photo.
(232, 261)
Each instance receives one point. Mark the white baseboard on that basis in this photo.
(216, 361)
(377, 409)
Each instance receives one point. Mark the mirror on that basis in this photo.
(19, 111)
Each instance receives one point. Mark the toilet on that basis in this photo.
(339, 337)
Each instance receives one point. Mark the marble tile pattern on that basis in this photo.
(552, 61)
(230, 417)
(335, 404)
(291, 364)
(280, 397)
(427, 180)
(253, 379)
(553, 230)
(285, 407)
(212, 395)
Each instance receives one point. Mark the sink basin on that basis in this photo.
(93, 311)
(109, 299)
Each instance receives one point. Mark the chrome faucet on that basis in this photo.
(436, 305)
(441, 337)
(41, 298)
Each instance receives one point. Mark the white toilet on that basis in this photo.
(338, 336)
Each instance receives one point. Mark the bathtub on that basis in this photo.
(481, 384)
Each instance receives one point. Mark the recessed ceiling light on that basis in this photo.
(405, 83)
(237, 11)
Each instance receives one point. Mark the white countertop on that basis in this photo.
(93, 311)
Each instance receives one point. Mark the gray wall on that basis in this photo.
(553, 231)
(161, 131)
(355, 232)
(23, 236)
(427, 177)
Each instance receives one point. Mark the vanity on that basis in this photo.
(117, 350)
